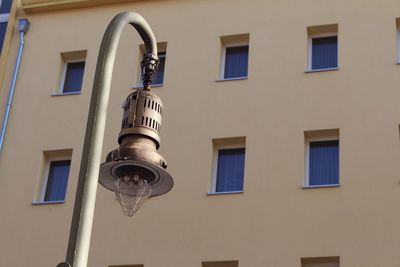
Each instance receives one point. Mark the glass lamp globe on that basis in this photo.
(132, 191)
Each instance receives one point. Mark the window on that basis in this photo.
(72, 72)
(324, 52)
(3, 28)
(53, 182)
(229, 159)
(322, 161)
(73, 77)
(235, 63)
(320, 262)
(57, 180)
(220, 264)
(323, 47)
(230, 170)
(235, 57)
(5, 7)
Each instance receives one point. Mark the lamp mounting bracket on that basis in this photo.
(149, 66)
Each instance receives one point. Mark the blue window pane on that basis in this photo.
(57, 180)
(3, 28)
(159, 79)
(324, 163)
(5, 6)
(236, 61)
(324, 52)
(73, 77)
(230, 170)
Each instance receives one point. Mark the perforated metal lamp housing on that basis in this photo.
(139, 140)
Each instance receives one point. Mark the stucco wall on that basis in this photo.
(275, 221)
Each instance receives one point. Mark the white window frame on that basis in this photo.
(314, 36)
(213, 185)
(4, 17)
(64, 73)
(46, 179)
(307, 160)
(223, 57)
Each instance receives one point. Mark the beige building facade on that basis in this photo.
(315, 74)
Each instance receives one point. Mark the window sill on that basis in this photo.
(4, 17)
(48, 202)
(61, 94)
(224, 193)
(232, 79)
(320, 70)
(320, 186)
(153, 85)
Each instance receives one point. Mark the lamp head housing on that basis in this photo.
(137, 159)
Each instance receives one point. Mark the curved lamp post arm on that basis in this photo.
(82, 219)
(109, 44)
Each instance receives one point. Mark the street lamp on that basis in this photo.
(135, 171)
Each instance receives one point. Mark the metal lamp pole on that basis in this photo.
(81, 225)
